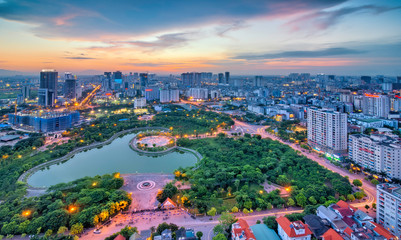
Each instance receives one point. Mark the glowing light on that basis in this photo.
(94, 184)
(26, 213)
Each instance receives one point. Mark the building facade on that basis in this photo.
(327, 132)
(169, 95)
(376, 152)
(45, 122)
(388, 209)
(47, 93)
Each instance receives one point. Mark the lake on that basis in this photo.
(115, 157)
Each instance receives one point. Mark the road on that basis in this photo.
(369, 188)
(146, 220)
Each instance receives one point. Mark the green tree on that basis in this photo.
(77, 228)
(351, 197)
(312, 200)
(48, 233)
(220, 236)
(248, 204)
(62, 230)
(199, 235)
(367, 207)
(290, 202)
(212, 212)
(357, 182)
(374, 205)
(234, 209)
(359, 195)
(374, 181)
(270, 222)
(301, 200)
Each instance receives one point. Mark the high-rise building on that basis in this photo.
(376, 105)
(191, 79)
(388, 208)
(70, 86)
(169, 95)
(26, 92)
(47, 92)
(152, 93)
(221, 78)
(198, 93)
(327, 132)
(227, 77)
(143, 79)
(107, 81)
(366, 79)
(258, 81)
(376, 152)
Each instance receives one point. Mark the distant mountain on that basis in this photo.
(90, 72)
(9, 73)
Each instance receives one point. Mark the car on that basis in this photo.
(97, 231)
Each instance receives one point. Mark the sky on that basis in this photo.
(174, 36)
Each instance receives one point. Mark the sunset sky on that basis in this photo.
(174, 36)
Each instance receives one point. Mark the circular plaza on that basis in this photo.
(153, 142)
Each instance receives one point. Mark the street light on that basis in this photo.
(26, 213)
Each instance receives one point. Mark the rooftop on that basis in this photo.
(261, 231)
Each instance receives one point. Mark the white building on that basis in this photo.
(388, 210)
(139, 102)
(327, 132)
(169, 95)
(376, 105)
(293, 230)
(198, 93)
(377, 152)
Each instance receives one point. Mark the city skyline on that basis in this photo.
(258, 37)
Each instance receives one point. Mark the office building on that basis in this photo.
(26, 92)
(376, 152)
(221, 78)
(44, 121)
(47, 92)
(376, 105)
(107, 81)
(169, 95)
(143, 79)
(327, 132)
(70, 86)
(152, 93)
(258, 81)
(388, 208)
(227, 77)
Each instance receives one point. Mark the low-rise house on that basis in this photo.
(316, 225)
(241, 231)
(362, 218)
(293, 230)
(331, 234)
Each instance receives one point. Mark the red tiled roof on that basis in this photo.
(379, 229)
(244, 227)
(348, 231)
(343, 204)
(349, 221)
(331, 234)
(289, 230)
(345, 212)
(119, 237)
(167, 202)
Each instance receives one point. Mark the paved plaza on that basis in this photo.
(144, 188)
(159, 141)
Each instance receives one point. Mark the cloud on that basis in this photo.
(79, 58)
(164, 41)
(322, 20)
(237, 25)
(104, 19)
(302, 54)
